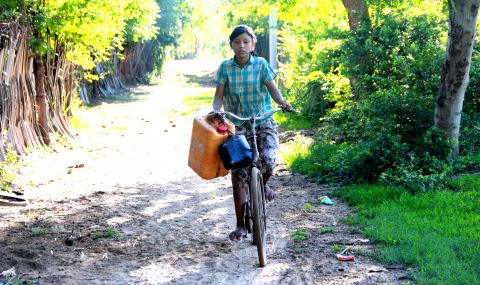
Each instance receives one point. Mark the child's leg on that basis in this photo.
(239, 176)
(267, 139)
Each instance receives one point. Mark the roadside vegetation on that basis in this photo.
(369, 92)
(367, 86)
(435, 232)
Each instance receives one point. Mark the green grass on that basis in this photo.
(292, 121)
(192, 103)
(109, 233)
(305, 156)
(299, 235)
(436, 233)
(327, 230)
(35, 232)
(308, 207)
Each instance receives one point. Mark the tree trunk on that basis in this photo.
(463, 15)
(357, 12)
(41, 98)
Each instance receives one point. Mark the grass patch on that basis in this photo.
(299, 235)
(327, 230)
(35, 232)
(338, 248)
(308, 207)
(109, 233)
(435, 232)
(292, 121)
(465, 183)
(305, 156)
(201, 100)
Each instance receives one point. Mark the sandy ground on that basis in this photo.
(122, 207)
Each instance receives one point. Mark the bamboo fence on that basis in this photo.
(18, 112)
(18, 117)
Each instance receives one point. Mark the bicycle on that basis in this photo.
(255, 210)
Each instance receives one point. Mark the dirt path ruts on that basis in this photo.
(127, 179)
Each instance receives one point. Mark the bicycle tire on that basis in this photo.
(259, 215)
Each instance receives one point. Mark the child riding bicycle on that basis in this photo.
(245, 86)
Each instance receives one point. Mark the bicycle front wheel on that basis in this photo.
(257, 197)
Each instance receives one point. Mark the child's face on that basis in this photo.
(242, 45)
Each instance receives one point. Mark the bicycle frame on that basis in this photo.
(255, 206)
(252, 120)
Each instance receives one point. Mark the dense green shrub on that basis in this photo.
(386, 131)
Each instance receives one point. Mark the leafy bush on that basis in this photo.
(386, 131)
(469, 140)
(397, 51)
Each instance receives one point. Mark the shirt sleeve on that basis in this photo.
(268, 72)
(220, 78)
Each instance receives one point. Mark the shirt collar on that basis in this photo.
(250, 60)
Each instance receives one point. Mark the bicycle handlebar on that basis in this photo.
(268, 115)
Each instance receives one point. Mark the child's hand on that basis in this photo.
(285, 106)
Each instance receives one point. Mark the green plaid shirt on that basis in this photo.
(245, 90)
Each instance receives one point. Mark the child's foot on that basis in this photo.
(237, 234)
(270, 195)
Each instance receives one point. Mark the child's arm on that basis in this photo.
(276, 95)
(218, 99)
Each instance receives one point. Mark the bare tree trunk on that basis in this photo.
(357, 11)
(455, 71)
(41, 98)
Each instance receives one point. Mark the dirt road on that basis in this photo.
(122, 207)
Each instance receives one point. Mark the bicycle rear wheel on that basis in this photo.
(257, 197)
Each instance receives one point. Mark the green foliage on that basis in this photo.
(8, 169)
(397, 51)
(293, 121)
(171, 24)
(90, 30)
(436, 232)
(252, 13)
(39, 232)
(384, 131)
(312, 74)
(472, 94)
(109, 233)
(327, 230)
(469, 140)
(427, 167)
(9, 9)
(299, 235)
(465, 183)
(206, 31)
(307, 207)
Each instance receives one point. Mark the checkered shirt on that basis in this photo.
(245, 90)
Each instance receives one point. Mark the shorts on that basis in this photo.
(267, 142)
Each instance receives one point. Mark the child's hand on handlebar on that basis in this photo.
(213, 115)
(285, 106)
